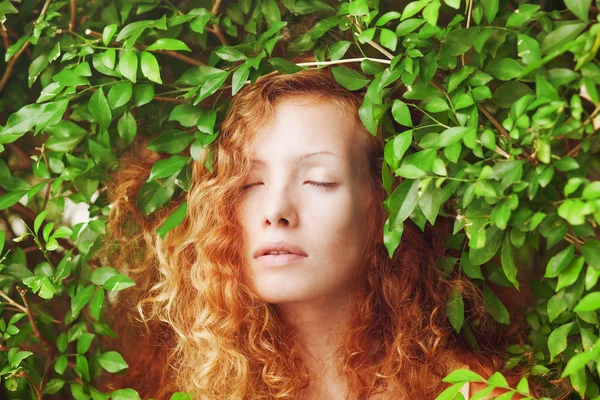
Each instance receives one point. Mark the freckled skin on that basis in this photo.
(329, 224)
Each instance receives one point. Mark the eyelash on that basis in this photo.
(319, 184)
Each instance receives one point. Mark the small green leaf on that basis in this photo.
(99, 108)
(108, 33)
(150, 67)
(455, 308)
(128, 65)
(349, 79)
(401, 113)
(580, 8)
(120, 94)
(557, 341)
(168, 44)
(112, 362)
(168, 167)
(173, 220)
(559, 262)
(591, 302)
(118, 282)
(284, 66)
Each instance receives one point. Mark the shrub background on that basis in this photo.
(496, 125)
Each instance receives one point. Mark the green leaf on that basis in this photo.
(408, 26)
(284, 66)
(508, 262)
(573, 211)
(239, 78)
(84, 342)
(211, 86)
(127, 127)
(431, 12)
(453, 3)
(403, 201)
(112, 362)
(388, 39)
(591, 302)
(120, 94)
(458, 41)
(579, 361)
(53, 386)
(338, 49)
(118, 282)
(455, 308)
(413, 8)
(60, 365)
(580, 8)
(559, 262)
(463, 375)
(437, 105)
(557, 341)
(349, 79)
(358, 7)
(168, 44)
(401, 113)
(101, 274)
(143, 94)
(271, 11)
(591, 252)
(229, 54)
(108, 33)
(186, 114)
(505, 69)
(173, 220)
(417, 165)
(81, 299)
(128, 64)
(168, 167)
(150, 67)
(562, 35)
(494, 306)
(391, 238)
(490, 9)
(125, 394)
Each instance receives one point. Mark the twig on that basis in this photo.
(170, 53)
(343, 61)
(4, 35)
(30, 316)
(216, 28)
(23, 374)
(11, 65)
(15, 58)
(462, 56)
(73, 15)
(372, 43)
(12, 302)
(574, 150)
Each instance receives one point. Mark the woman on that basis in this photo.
(294, 171)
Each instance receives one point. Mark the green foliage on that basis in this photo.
(497, 128)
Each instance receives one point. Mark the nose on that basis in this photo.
(280, 208)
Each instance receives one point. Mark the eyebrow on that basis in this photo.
(303, 156)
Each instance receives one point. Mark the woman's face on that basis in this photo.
(281, 203)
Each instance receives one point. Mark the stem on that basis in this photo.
(170, 53)
(73, 15)
(30, 316)
(23, 374)
(342, 61)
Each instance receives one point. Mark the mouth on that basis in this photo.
(278, 260)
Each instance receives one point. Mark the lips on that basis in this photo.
(280, 245)
(295, 253)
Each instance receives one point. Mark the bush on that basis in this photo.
(498, 119)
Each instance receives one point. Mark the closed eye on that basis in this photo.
(313, 183)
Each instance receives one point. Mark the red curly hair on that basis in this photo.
(194, 325)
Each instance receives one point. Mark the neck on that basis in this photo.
(316, 326)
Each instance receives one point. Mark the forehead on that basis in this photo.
(301, 126)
